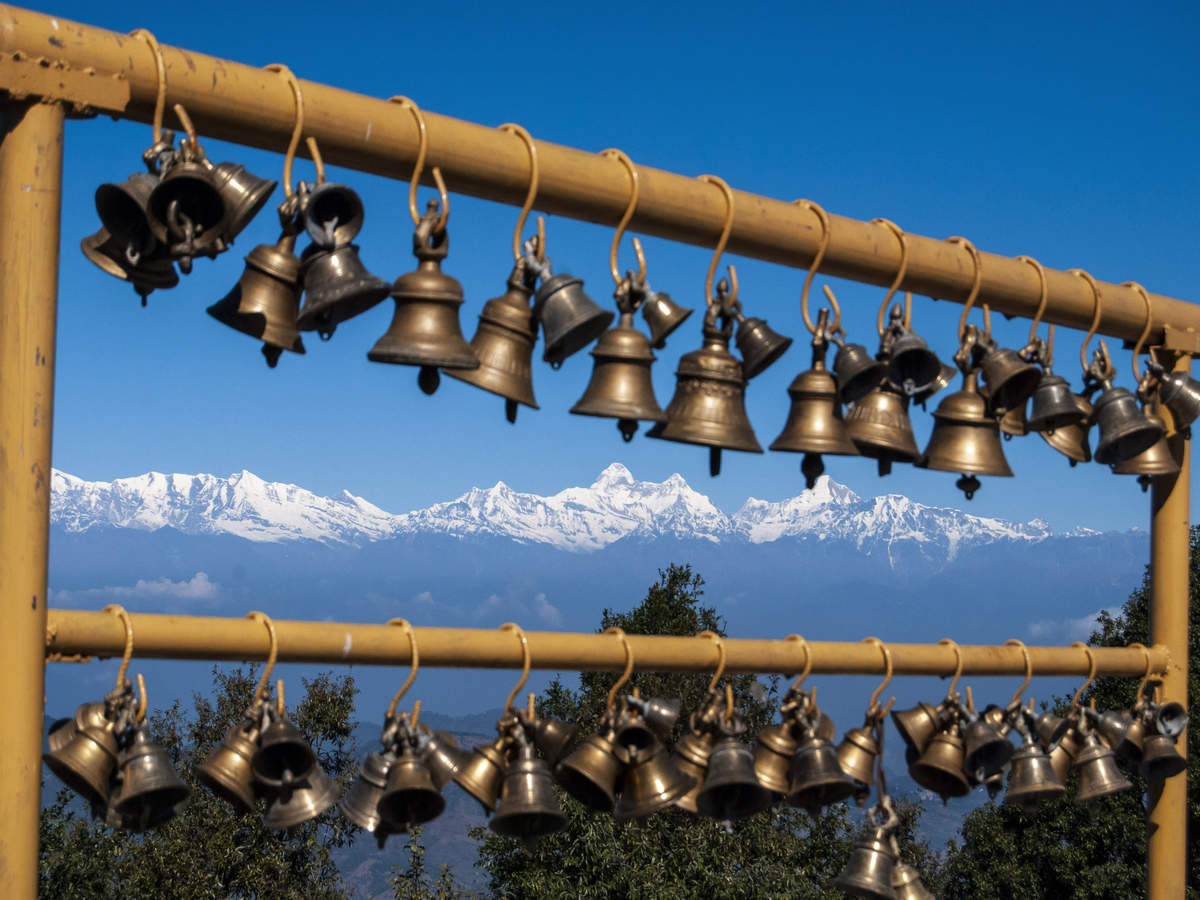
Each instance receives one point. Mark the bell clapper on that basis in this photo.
(813, 468)
(714, 461)
(628, 428)
(884, 467)
(968, 484)
(510, 411)
(428, 379)
(271, 354)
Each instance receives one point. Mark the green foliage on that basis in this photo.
(412, 881)
(209, 851)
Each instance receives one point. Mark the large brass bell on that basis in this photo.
(1180, 393)
(857, 371)
(227, 772)
(1098, 772)
(709, 406)
(1072, 440)
(590, 773)
(691, 758)
(857, 754)
(940, 766)
(917, 725)
(87, 760)
(986, 751)
(620, 387)
(304, 800)
(410, 796)
(1054, 405)
(868, 872)
(1124, 430)
(880, 428)
(244, 195)
(147, 784)
(283, 756)
(503, 344)
(570, 319)
(759, 345)
(773, 752)
(965, 438)
(337, 287)
(650, 783)
(662, 315)
(360, 804)
(483, 772)
(1154, 461)
(123, 210)
(528, 808)
(334, 215)
(1010, 379)
(425, 331)
(1032, 779)
(186, 211)
(150, 274)
(1160, 759)
(265, 301)
(731, 789)
(817, 776)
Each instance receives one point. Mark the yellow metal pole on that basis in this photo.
(1170, 566)
(252, 106)
(31, 138)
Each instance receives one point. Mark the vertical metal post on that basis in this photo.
(31, 145)
(1169, 572)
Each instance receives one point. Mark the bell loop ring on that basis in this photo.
(1141, 341)
(415, 664)
(873, 708)
(419, 167)
(901, 271)
(261, 692)
(160, 71)
(1091, 676)
(627, 672)
(525, 664)
(1141, 688)
(975, 283)
(1096, 312)
(952, 691)
(119, 611)
(726, 229)
(806, 669)
(823, 244)
(720, 669)
(1015, 702)
(630, 207)
(530, 194)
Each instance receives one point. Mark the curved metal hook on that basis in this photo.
(822, 216)
(1141, 341)
(261, 692)
(516, 629)
(280, 703)
(887, 670)
(1141, 688)
(630, 208)
(119, 611)
(837, 308)
(530, 195)
(900, 273)
(952, 693)
(160, 70)
(415, 657)
(143, 702)
(726, 229)
(192, 140)
(1095, 315)
(297, 127)
(808, 661)
(1016, 697)
(419, 167)
(1037, 316)
(627, 673)
(1091, 658)
(962, 320)
(713, 636)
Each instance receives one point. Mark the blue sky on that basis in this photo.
(1063, 131)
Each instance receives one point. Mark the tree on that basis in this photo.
(1064, 850)
(209, 851)
(778, 852)
(412, 881)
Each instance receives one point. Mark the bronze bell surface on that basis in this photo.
(1062, 756)
(360, 804)
(650, 783)
(1180, 393)
(620, 387)
(881, 430)
(965, 438)
(817, 776)
(917, 725)
(1168, 718)
(857, 754)
(759, 345)
(337, 287)
(226, 771)
(946, 373)
(857, 372)
(482, 774)
(709, 406)
(266, 300)
(410, 797)
(663, 316)
(1124, 430)
(334, 215)
(591, 772)
(59, 733)
(1098, 772)
(773, 752)
(868, 872)
(731, 789)
(570, 319)
(425, 331)
(987, 753)
(443, 757)
(1032, 779)
(1154, 461)
(912, 367)
(244, 195)
(1072, 440)
(305, 800)
(1121, 732)
(186, 211)
(503, 344)
(1010, 379)
(123, 210)
(108, 253)
(147, 784)
(528, 808)
(1053, 405)
(906, 883)
(1160, 759)
(154, 272)
(86, 762)
(940, 766)
(62, 731)
(552, 737)
(283, 756)
(691, 758)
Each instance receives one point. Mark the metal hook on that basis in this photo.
(727, 192)
(900, 273)
(414, 656)
(641, 258)
(185, 120)
(419, 167)
(1095, 316)
(1016, 697)
(119, 611)
(808, 661)
(1091, 672)
(1141, 341)
(315, 152)
(887, 670)
(713, 636)
(280, 705)
(142, 701)
(516, 629)
(630, 207)
(837, 308)
(160, 70)
(951, 693)
(260, 692)
(823, 245)
(530, 195)
(628, 671)
(297, 127)
(1037, 316)
(962, 320)
(1145, 676)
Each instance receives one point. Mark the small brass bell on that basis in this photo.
(620, 387)
(912, 367)
(86, 761)
(691, 758)
(304, 800)
(1032, 778)
(570, 319)
(1098, 772)
(917, 725)
(151, 273)
(817, 776)
(759, 345)
(709, 406)
(337, 287)
(1010, 380)
(650, 783)
(147, 784)
(869, 871)
(881, 430)
(62, 731)
(1054, 405)
(1051, 728)
(1072, 440)
(1154, 461)
(123, 211)
(185, 210)
(731, 789)
(1125, 431)
(940, 766)
(482, 774)
(360, 804)
(1160, 759)
(1121, 732)
(906, 880)
(425, 331)
(283, 756)
(987, 753)
(773, 752)
(857, 754)
(227, 772)
(528, 808)
(946, 373)
(442, 756)
(410, 797)
(552, 737)
(334, 215)
(965, 438)
(265, 301)
(857, 371)
(1169, 718)
(591, 772)
(663, 316)
(1180, 393)
(503, 344)
(244, 195)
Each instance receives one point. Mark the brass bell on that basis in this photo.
(691, 758)
(410, 797)
(857, 754)
(1032, 778)
(283, 756)
(305, 800)
(709, 406)
(443, 757)
(1072, 440)
(1154, 461)
(869, 871)
(147, 784)
(528, 808)
(946, 373)
(917, 725)
(1051, 728)
(1010, 379)
(663, 316)
(1098, 772)
(1169, 718)
(731, 789)
(360, 804)
(154, 272)
(620, 387)
(552, 737)
(987, 752)
(773, 752)
(1180, 393)
(186, 211)
(1124, 430)
(912, 367)
(591, 772)
(940, 766)
(650, 783)
(881, 430)
(483, 772)
(817, 776)
(59, 733)
(108, 253)
(1160, 759)
(503, 344)
(570, 319)
(1054, 405)
(425, 331)
(857, 371)
(87, 760)
(759, 345)
(265, 301)
(1121, 732)
(906, 883)
(965, 438)
(123, 211)
(244, 195)
(333, 215)
(337, 287)
(1063, 752)
(227, 773)
(62, 731)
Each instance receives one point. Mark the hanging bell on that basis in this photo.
(86, 761)
(940, 766)
(1098, 772)
(987, 752)
(483, 773)
(443, 757)
(731, 789)
(773, 752)
(151, 273)
(1125, 431)
(880, 428)
(503, 344)
(590, 773)
(917, 725)
(1169, 718)
(1154, 461)
(62, 731)
(1072, 440)
(337, 287)
(857, 754)
(333, 215)
(1032, 779)
(906, 882)
(857, 371)
(691, 758)
(1054, 405)
(186, 211)
(1010, 379)
(912, 367)
(552, 737)
(425, 330)
(570, 319)
(265, 301)
(123, 211)
(758, 345)
(650, 783)
(663, 316)
(621, 387)
(965, 438)
(869, 871)
(227, 772)
(1180, 393)
(817, 776)
(1160, 759)
(360, 804)
(1123, 733)
(709, 406)
(244, 195)
(283, 756)
(305, 800)
(147, 784)
(946, 373)
(528, 808)
(410, 797)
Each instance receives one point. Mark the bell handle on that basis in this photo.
(1141, 341)
(900, 272)
(119, 611)
(808, 662)
(626, 673)
(525, 662)
(952, 692)
(727, 193)
(823, 217)
(415, 663)
(630, 207)
(297, 125)
(1091, 676)
(160, 71)
(530, 195)
(261, 692)
(419, 167)
(720, 670)
(1016, 697)
(873, 703)
(978, 280)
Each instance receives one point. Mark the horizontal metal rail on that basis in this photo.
(73, 633)
(255, 107)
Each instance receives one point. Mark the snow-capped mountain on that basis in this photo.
(579, 519)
